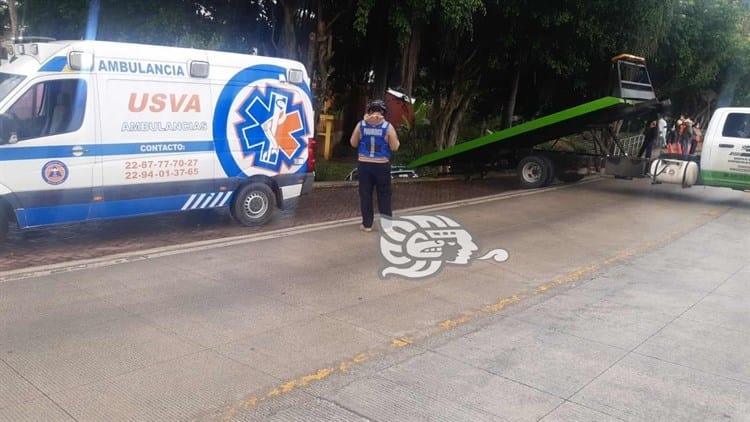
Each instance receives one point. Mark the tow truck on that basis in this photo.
(530, 147)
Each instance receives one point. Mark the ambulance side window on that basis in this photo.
(49, 108)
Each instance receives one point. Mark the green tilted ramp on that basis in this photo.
(527, 135)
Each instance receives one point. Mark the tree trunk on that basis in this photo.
(445, 116)
(13, 12)
(288, 40)
(324, 68)
(457, 119)
(510, 104)
(410, 60)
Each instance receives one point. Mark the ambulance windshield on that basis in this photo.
(8, 82)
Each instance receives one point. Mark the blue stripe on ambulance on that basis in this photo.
(55, 64)
(65, 151)
(31, 217)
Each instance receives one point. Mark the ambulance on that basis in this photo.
(95, 130)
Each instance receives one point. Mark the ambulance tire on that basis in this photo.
(254, 204)
(533, 172)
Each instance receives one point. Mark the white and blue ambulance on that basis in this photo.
(94, 130)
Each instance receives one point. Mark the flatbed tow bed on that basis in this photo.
(515, 146)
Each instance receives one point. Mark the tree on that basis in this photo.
(706, 51)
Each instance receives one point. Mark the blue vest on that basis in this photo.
(373, 143)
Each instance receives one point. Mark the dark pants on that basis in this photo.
(685, 145)
(647, 147)
(374, 176)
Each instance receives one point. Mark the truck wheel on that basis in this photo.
(254, 204)
(550, 171)
(533, 172)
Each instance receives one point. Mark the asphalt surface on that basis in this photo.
(327, 202)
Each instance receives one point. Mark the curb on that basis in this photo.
(337, 184)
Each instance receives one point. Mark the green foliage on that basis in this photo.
(333, 171)
(560, 48)
(416, 138)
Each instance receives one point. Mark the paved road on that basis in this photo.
(620, 301)
(328, 202)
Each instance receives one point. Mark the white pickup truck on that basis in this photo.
(724, 160)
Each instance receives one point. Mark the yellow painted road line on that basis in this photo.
(228, 412)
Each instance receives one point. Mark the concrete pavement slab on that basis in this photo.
(572, 412)
(737, 285)
(173, 390)
(550, 361)
(226, 316)
(143, 287)
(599, 320)
(727, 310)
(316, 411)
(656, 297)
(399, 314)
(41, 409)
(14, 389)
(385, 401)
(433, 375)
(486, 285)
(641, 388)
(705, 347)
(95, 353)
(291, 351)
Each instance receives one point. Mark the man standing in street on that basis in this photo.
(375, 140)
(662, 140)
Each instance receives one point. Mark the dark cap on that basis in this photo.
(376, 105)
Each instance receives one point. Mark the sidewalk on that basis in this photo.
(329, 201)
(662, 336)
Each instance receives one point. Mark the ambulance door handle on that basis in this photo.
(726, 146)
(78, 150)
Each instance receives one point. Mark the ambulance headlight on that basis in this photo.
(20, 50)
(79, 60)
(34, 49)
(295, 76)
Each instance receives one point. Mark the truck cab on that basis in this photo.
(725, 159)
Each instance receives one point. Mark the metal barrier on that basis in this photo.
(631, 146)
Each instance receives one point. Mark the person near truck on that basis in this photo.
(697, 136)
(649, 136)
(662, 125)
(687, 137)
(375, 140)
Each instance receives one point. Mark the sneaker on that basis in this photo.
(362, 228)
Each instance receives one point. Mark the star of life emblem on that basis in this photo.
(417, 246)
(273, 128)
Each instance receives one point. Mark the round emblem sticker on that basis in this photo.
(55, 172)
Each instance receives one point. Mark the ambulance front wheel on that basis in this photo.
(254, 204)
